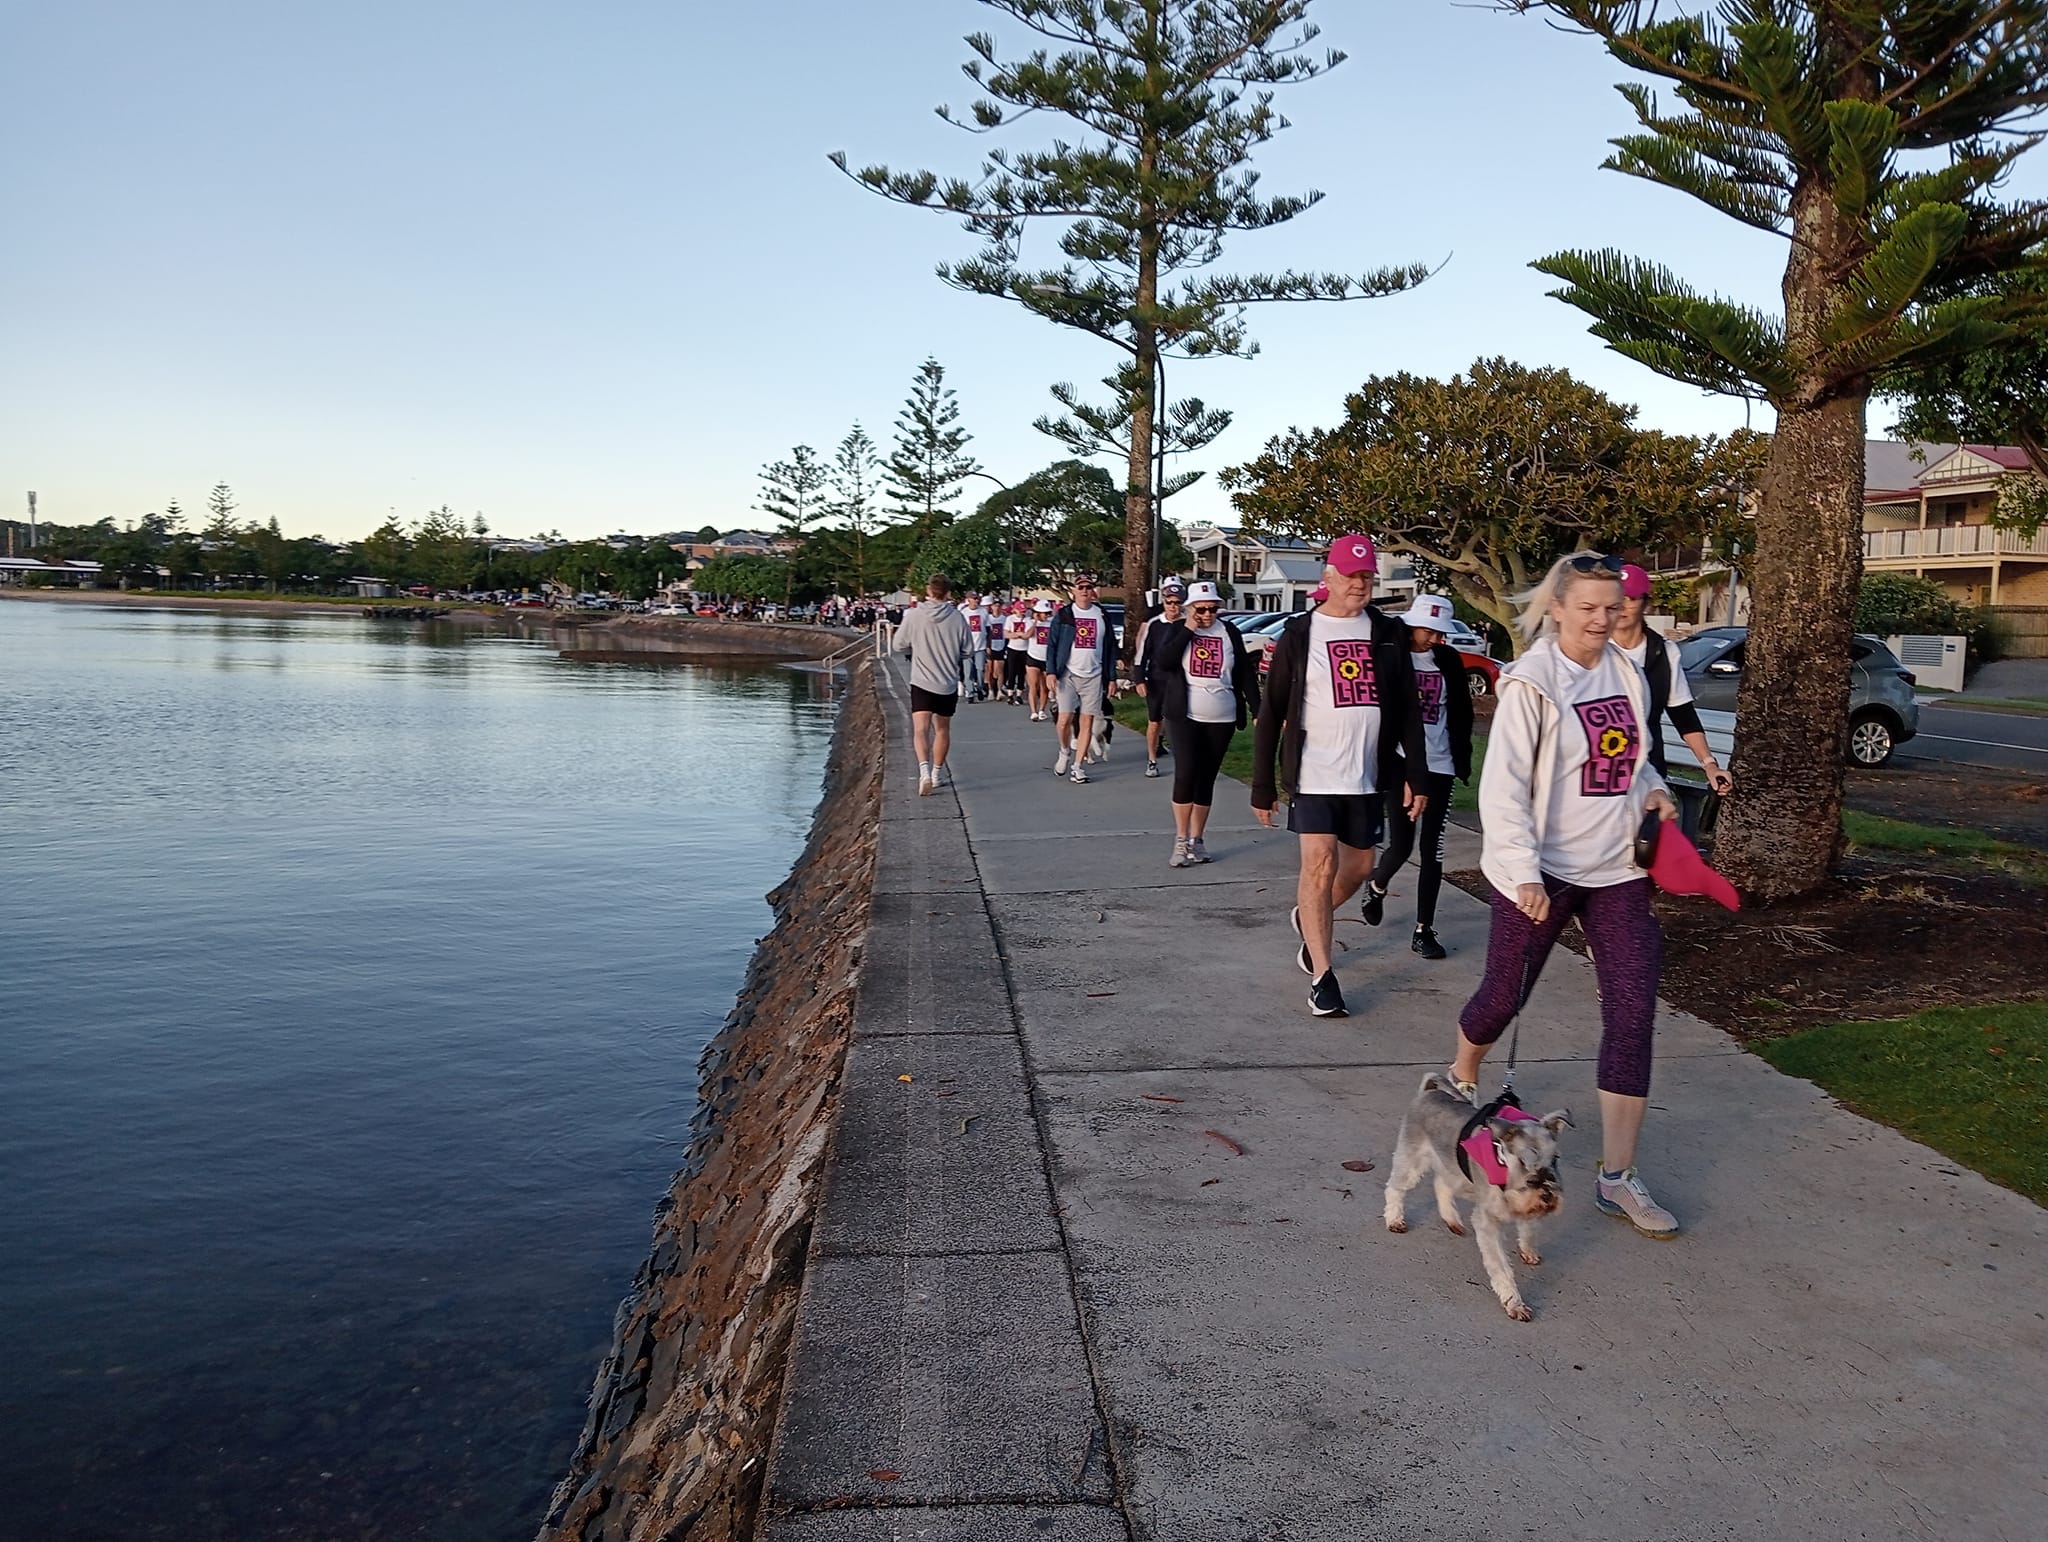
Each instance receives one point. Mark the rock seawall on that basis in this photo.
(684, 1406)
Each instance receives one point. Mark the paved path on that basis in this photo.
(1046, 1301)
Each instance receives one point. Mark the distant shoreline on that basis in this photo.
(281, 606)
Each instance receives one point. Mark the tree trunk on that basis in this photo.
(1780, 835)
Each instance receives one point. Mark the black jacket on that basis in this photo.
(1280, 727)
(1164, 674)
(1657, 671)
(1458, 706)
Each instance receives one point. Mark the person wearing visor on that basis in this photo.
(1340, 719)
(1207, 683)
(1172, 594)
(1670, 692)
(1034, 660)
(1445, 701)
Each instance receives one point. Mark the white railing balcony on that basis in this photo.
(1950, 541)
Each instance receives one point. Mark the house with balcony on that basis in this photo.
(1932, 518)
(1276, 573)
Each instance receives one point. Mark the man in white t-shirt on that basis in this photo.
(1340, 698)
(1078, 657)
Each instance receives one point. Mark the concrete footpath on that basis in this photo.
(1090, 1264)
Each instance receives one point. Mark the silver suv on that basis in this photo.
(1883, 712)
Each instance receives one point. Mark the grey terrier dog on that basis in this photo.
(1503, 1160)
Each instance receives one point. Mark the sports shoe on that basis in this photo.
(1059, 767)
(1324, 999)
(1426, 944)
(1375, 905)
(1469, 1091)
(924, 780)
(942, 776)
(1301, 958)
(1197, 852)
(1077, 776)
(1626, 1197)
(1180, 854)
(1151, 768)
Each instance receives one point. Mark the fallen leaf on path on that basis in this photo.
(1207, 1181)
(1092, 995)
(1218, 1135)
(1355, 1166)
(1160, 1097)
(885, 1474)
(904, 1078)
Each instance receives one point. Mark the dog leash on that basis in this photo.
(1507, 1085)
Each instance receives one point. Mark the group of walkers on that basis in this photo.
(1364, 720)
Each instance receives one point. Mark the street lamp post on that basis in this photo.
(1009, 550)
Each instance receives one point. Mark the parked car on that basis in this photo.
(1883, 712)
(669, 610)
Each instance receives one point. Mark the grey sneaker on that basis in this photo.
(1626, 1197)
(1180, 854)
(1197, 852)
(1151, 768)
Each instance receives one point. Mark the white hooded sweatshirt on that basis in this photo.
(1567, 771)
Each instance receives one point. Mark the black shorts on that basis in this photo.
(1356, 821)
(942, 703)
(1155, 703)
(1032, 663)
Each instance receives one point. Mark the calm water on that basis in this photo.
(352, 982)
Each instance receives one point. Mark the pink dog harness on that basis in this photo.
(1477, 1143)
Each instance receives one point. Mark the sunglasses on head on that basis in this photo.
(1594, 562)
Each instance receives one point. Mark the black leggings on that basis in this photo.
(1013, 667)
(1198, 751)
(1401, 841)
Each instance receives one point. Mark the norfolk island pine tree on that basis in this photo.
(793, 495)
(1793, 117)
(931, 465)
(1171, 98)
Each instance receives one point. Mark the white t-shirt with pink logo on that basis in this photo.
(1589, 830)
(1091, 631)
(1432, 690)
(1340, 709)
(1212, 694)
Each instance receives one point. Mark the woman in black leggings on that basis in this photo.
(1447, 735)
(1208, 686)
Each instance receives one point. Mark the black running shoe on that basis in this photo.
(1324, 999)
(1375, 905)
(1301, 954)
(1426, 944)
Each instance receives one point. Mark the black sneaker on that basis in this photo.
(1375, 905)
(1301, 956)
(1324, 999)
(1426, 944)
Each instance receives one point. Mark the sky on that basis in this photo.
(586, 267)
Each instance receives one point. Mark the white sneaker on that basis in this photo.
(1151, 768)
(1059, 767)
(924, 781)
(1077, 776)
(942, 776)
(1626, 1197)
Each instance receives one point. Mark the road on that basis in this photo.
(2011, 741)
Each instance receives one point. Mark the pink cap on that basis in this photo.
(1353, 554)
(1635, 583)
(1678, 868)
(1320, 593)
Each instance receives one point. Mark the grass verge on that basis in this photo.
(1875, 832)
(1972, 1082)
(2023, 706)
(1129, 710)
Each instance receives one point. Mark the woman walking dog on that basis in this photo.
(1563, 796)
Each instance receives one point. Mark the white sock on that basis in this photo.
(924, 770)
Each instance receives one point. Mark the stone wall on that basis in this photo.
(685, 1402)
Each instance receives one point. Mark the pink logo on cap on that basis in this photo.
(1353, 554)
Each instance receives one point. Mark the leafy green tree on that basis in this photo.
(1991, 396)
(742, 575)
(855, 503)
(1161, 105)
(926, 474)
(1032, 512)
(386, 553)
(444, 552)
(973, 552)
(793, 494)
(1893, 604)
(1491, 475)
(221, 551)
(1873, 137)
(272, 553)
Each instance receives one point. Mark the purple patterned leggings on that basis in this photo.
(1628, 948)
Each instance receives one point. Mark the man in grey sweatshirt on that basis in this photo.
(935, 638)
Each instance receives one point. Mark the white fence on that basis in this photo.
(1953, 541)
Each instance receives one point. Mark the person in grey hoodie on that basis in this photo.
(935, 638)
(1564, 793)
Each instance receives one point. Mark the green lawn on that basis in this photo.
(1875, 832)
(1972, 1082)
(2026, 706)
(1237, 761)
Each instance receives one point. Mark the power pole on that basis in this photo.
(32, 541)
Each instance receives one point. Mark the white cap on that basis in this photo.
(1430, 611)
(1203, 593)
(1043, 606)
